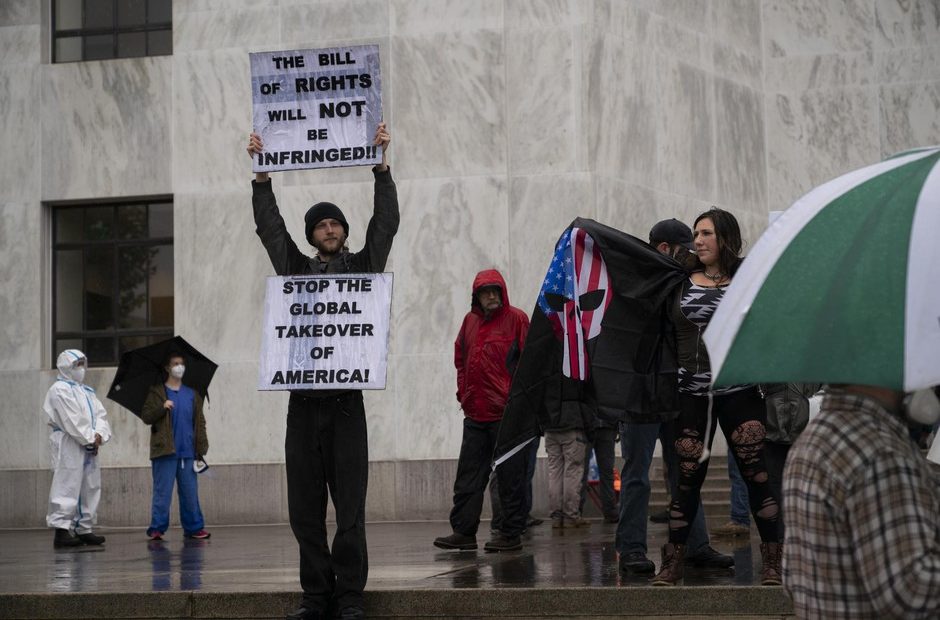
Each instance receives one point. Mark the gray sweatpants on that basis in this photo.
(565, 451)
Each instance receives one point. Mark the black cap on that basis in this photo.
(672, 231)
(322, 211)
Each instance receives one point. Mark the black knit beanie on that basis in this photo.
(322, 211)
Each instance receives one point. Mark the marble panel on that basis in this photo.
(907, 24)
(740, 157)
(383, 414)
(916, 64)
(542, 14)
(194, 6)
(326, 21)
(794, 27)
(106, 128)
(541, 207)
(744, 67)
(544, 97)
(737, 23)
(23, 423)
(19, 92)
(20, 12)
(449, 97)
(685, 130)
(20, 45)
(21, 274)
(243, 424)
(381, 497)
(226, 28)
(624, 21)
(426, 17)
(221, 308)
(428, 418)
(428, 487)
(621, 107)
(210, 132)
(634, 208)
(909, 116)
(795, 74)
(816, 136)
(451, 229)
(687, 13)
(679, 42)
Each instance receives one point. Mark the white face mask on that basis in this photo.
(78, 374)
(923, 407)
(177, 371)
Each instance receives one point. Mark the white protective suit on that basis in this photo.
(75, 416)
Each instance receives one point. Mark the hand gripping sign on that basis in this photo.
(316, 108)
(326, 332)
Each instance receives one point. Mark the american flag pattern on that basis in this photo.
(574, 296)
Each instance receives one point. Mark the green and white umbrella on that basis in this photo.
(844, 287)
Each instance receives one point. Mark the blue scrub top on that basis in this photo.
(184, 402)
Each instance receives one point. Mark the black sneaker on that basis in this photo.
(706, 557)
(456, 541)
(304, 613)
(352, 612)
(503, 543)
(90, 538)
(636, 562)
(65, 538)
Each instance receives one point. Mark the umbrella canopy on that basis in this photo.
(844, 287)
(142, 368)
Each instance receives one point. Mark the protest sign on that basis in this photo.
(325, 332)
(316, 108)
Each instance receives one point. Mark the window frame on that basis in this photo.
(114, 333)
(114, 31)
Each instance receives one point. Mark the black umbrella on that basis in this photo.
(142, 368)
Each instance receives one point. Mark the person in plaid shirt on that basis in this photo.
(862, 508)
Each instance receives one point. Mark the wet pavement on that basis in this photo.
(263, 558)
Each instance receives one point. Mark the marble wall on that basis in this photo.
(509, 118)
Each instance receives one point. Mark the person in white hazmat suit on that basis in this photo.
(79, 426)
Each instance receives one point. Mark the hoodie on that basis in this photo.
(486, 351)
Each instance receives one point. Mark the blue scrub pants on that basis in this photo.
(166, 470)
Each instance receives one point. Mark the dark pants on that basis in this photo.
(603, 448)
(326, 449)
(776, 456)
(512, 478)
(532, 458)
(741, 416)
(473, 472)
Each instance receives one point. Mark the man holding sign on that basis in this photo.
(326, 445)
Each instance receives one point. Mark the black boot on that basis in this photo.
(90, 538)
(456, 541)
(65, 538)
(501, 542)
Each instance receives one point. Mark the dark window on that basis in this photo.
(112, 271)
(100, 29)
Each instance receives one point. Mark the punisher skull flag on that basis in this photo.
(601, 320)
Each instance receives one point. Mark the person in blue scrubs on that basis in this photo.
(177, 441)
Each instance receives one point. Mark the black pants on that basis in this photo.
(326, 449)
(512, 478)
(603, 447)
(776, 456)
(474, 466)
(741, 415)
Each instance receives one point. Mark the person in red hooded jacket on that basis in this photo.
(485, 354)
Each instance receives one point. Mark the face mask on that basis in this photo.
(177, 371)
(78, 374)
(922, 407)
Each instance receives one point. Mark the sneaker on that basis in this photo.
(660, 517)
(503, 543)
(64, 539)
(90, 538)
(707, 557)
(611, 517)
(154, 535)
(353, 612)
(636, 562)
(732, 529)
(456, 541)
(533, 521)
(200, 535)
(304, 613)
(577, 522)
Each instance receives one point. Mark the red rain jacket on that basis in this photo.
(486, 352)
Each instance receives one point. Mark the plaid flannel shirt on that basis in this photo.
(862, 509)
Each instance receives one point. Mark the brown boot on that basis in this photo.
(770, 573)
(670, 573)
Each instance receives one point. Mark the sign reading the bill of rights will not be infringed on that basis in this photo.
(325, 332)
(316, 108)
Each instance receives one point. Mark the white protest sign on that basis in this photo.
(325, 332)
(316, 108)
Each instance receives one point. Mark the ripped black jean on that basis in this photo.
(741, 415)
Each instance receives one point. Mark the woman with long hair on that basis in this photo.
(739, 409)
